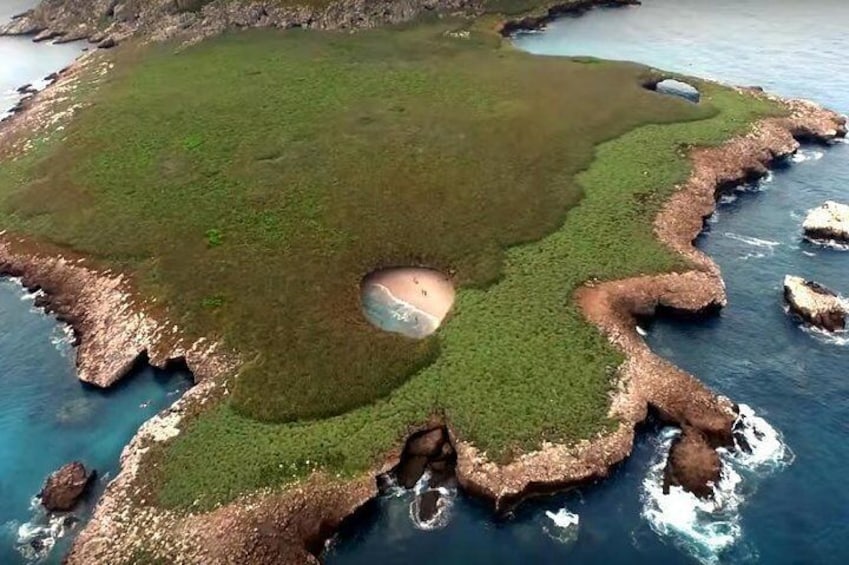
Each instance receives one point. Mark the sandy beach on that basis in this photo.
(428, 290)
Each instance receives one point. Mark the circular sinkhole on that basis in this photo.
(672, 87)
(411, 301)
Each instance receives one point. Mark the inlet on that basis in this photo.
(411, 301)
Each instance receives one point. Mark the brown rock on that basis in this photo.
(427, 444)
(815, 304)
(428, 505)
(64, 488)
(692, 465)
(410, 470)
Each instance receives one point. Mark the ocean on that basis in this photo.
(785, 504)
(47, 417)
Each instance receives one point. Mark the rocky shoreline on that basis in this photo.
(291, 526)
(115, 330)
(107, 23)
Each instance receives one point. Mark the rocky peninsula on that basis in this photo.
(119, 321)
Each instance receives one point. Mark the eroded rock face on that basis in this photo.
(114, 21)
(829, 222)
(692, 464)
(64, 488)
(815, 304)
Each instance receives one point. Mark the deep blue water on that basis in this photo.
(790, 507)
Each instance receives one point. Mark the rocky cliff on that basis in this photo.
(109, 21)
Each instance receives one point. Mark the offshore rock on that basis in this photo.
(65, 487)
(815, 304)
(692, 464)
(828, 222)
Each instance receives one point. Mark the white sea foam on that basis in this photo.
(562, 525)
(36, 538)
(805, 155)
(641, 331)
(829, 243)
(447, 495)
(389, 313)
(709, 529)
(832, 338)
(727, 199)
(753, 241)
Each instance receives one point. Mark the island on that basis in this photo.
(202, 193)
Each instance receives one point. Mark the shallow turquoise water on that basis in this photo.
(787, 504)
(48, 418)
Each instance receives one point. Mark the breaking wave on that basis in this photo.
(390, 314)
(444, 504)
(711, 530)
(35, 539)
(804, 155)
(831, 338)
(562, 525)
(753, 241)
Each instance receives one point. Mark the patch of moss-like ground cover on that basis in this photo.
(250, 181)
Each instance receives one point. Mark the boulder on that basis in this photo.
(429, 505)
(427, 444)
(410, 470)
(692, 465)
(829, 221)
(64, 488)
(815, 304)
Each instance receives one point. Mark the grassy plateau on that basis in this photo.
(250, 182)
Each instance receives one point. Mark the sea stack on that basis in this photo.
(65, 487)
(815, 304)
(692, 464)
(828, 222)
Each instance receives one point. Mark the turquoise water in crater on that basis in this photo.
(786, 503)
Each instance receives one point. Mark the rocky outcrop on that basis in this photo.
(536, 21)
(65, 487)
(615, 306)
(815, 304)
(693, 464)
(113, 329)
(108, 22)
(828, 222)
(289, 526)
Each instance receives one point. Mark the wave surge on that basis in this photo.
(711, 530)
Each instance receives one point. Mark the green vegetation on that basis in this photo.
(251, 181)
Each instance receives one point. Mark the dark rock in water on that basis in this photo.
(427, 444)
(429, 505)
(411, 470)
(677, 88)
(692, 464)
(107, 43)
(65, 487)
(27, 89)
(815, 304)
